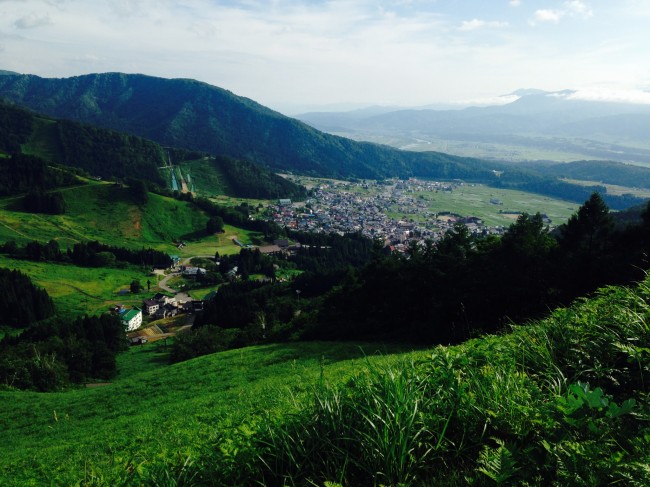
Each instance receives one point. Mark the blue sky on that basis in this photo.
(295, 55)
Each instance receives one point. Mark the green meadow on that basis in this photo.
(81, 290)
(561, 401)
(105, 212)
(475, 200)
(160, 414)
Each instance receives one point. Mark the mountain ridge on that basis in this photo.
(197, 116)
(558, 121)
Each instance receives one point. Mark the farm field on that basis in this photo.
(614, 189)
(475, 200)
(529, 149)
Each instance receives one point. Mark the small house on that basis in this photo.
(166, 311)
(151, 306)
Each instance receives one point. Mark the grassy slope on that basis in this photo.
(104, 212)
(163, 413)
(507, 409)
(81, 290)
(101, 211)
(43, 141)
(208, 179)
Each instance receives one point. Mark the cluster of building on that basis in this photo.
(158, 307)
(342, 208)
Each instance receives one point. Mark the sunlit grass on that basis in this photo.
(81, 290)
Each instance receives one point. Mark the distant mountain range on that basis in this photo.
(538, 125)
(191, 115)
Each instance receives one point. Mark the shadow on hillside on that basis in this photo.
(194, 236)
(331, 352)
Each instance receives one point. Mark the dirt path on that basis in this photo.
(163, 282)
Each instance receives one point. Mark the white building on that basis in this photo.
(132, 319)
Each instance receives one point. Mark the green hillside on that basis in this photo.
(558, 402)
(109, 154)
(107, 213)
(197, 116)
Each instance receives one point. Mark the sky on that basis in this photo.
(297, 55)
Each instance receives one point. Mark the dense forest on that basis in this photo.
(16, 126)
(48, 203)
(254, 181)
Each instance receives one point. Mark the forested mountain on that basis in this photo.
(111, 154)
(99, 152)
(194, 115)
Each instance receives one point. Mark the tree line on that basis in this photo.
(58, 352)
(250, 180)
(461, 286)
(86, 254)
(22, 303)
(22, 173)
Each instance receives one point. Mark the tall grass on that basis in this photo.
(561, 401)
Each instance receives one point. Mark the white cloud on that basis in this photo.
(571, 8)
(578, 8)
(412, 52)
(487, 101)
(547, 15)
(33, 20)
(474, 24)
(610, 95)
